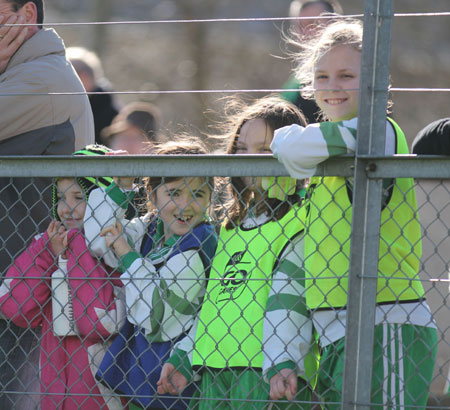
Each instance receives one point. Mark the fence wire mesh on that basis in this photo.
(95, 302)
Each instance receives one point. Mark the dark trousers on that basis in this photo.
(19, 367)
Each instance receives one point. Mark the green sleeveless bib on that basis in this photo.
(230, 326)
(327, 242)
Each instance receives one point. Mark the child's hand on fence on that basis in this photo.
(283, 384)
(171, 381)
(115, 238)
(122, 182)
(57, 233)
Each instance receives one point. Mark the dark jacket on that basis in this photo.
(104, 110)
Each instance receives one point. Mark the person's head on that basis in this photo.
(31, 10)
(181, 203)
(434, 139)
(309, 24)
(87, 65)
(134, 128)
(70, 195)
(252, 127)
(329, 69)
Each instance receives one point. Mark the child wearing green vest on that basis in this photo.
(261, 239)
(405, 333)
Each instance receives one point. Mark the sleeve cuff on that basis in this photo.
(289, 364)
(120, 197)
(180, 359)
(127, 260)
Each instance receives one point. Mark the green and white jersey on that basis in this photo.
(288, 334)
(164, 286)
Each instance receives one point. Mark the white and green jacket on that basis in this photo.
(165, 286)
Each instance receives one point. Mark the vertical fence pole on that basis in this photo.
(367, 206)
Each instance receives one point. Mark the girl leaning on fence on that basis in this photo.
(405, 333)
(56, 284)
(164, 258)
(260, 242)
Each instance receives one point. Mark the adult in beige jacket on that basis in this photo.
(32, 122)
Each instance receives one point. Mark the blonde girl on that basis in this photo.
(405, 333)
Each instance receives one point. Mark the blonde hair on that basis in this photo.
(340, 32)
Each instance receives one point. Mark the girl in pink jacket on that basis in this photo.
(56, 284)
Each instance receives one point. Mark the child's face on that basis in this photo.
(336, 80)
(254, 138)
(71, 203)
(182, 204)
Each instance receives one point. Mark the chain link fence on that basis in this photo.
(240, 310)
(72, 313)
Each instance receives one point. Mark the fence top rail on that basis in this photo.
(402, 166)
(157, 165)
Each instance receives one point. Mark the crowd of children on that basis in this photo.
(161, 312)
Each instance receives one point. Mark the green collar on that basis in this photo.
(302, 193)
(159, 248)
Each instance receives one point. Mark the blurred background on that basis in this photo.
(241, 55)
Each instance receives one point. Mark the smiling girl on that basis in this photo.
(164, 258)
(56, 284)
(405, 332)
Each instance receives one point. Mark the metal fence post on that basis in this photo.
(367, 206)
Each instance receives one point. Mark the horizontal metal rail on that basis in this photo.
(401, 166)
(404, 166)
(158, 165)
